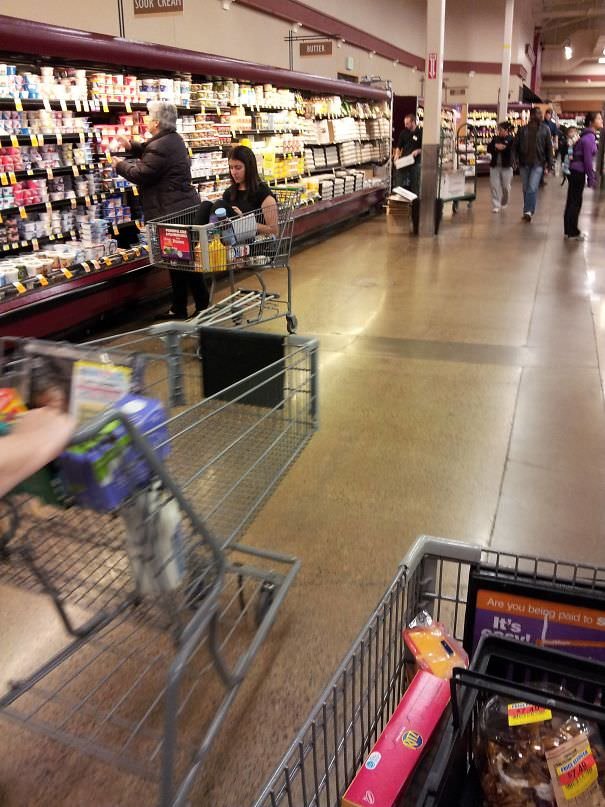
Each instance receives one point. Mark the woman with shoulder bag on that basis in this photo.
(580, 171)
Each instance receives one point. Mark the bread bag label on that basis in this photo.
(574, 774)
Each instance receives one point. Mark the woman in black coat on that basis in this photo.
(161, 170)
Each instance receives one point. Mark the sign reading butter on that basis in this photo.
(315, 48)
(158, 6)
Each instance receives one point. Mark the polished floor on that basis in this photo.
(461, 396)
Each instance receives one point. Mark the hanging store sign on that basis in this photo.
(158, 6)
(431, 69)
(316, 48)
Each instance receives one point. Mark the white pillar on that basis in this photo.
(431, 135)
(506, 59)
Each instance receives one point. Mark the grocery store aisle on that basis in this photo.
(461, 395)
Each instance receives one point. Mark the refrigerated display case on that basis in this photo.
(72, 235)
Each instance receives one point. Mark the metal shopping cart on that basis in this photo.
(164, 611)
(363, 694)
(232, 246)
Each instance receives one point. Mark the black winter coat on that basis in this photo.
(161, 170)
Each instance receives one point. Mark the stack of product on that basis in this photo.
(348, 179)
(118, 88)
(348, 153)
(379, 128)
(131, 126)
(69, 85)
(331, 156)
(319, 158)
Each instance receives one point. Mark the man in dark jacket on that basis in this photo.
(500, 148)
(161, 170)
(533, 146)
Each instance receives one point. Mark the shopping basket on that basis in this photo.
(177, 242)
(164, 608)
(357, 703)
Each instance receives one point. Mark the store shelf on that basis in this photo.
(86, 106)
(58, 205)
(263, 132)
(43, 173)
(207, 149)
(6, 141)
(207, 177)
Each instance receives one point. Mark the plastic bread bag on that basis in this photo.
(512, 745)
(433, 647)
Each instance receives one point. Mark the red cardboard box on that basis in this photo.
(398, 750)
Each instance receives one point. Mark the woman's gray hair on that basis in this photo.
(164, 113)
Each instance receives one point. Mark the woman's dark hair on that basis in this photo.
(246, 156)
(590, 119)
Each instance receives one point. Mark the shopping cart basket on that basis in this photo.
(165, 610)
(177, 242)
(356, 705)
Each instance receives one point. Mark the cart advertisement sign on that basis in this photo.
(560, 626)
(175, 244)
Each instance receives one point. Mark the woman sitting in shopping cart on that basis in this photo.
(161, 169)
(249, 193)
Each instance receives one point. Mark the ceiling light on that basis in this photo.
(371, 54)
(471, 74)
(226, 5)
(396, 62)
(567, 50)
(339, 43)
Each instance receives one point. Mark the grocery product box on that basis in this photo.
(399, 748)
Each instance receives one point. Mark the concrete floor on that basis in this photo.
(461, 396)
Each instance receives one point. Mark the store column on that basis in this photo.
(431, 135)
(506, 59)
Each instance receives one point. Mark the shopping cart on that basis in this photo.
(164, 611)
(356, 705)
(178, 242)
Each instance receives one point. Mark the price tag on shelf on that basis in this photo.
(19, 286)
(108, 156)
(135, 190)
(3, 179)
(1, 219)
(202, 109)
(40, 139)
(116, 229)
(43, 281)
(15, 245)
(59, 236)
(49, 208)
(78, 105)
(218, 110)
(86, 266)
(96, 265)
(35, 244)
(189, 151)
(12, 178)
(140, 225)
(15, 141)
(103, 197)
(105, 106)
(85, 105)
(73, 203)
(63, 105)
(59, 136)
(67, 273)
(18, 104)
(23, 212)
(87, 201)
(128, 106)
(107, 261)
(5, 247)
(34, 140)
(82, 137)
(24, 244)
(30, 172)
(51, 237)
(46, 104)
(76, 170)
(137, 252)
(72, 235)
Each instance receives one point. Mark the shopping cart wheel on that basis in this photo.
(291, 323)
(454, 207)
(265, 600)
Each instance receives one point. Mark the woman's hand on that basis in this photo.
(124, 142)
(115, 161)
(238, 212)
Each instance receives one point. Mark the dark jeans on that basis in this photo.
(577, 180)
(185, 281)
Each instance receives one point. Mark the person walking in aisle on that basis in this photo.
(566, 152)
(161, 169)
(501, 169)
(533, 146)
(581, 170)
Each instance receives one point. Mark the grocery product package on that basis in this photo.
(433, 647)
(154, 540)
(396, 754)
(529, 755)
(102, 472)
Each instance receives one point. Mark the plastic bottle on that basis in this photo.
(228, 236)
(217, 252)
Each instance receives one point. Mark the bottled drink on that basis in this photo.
(228, 236)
